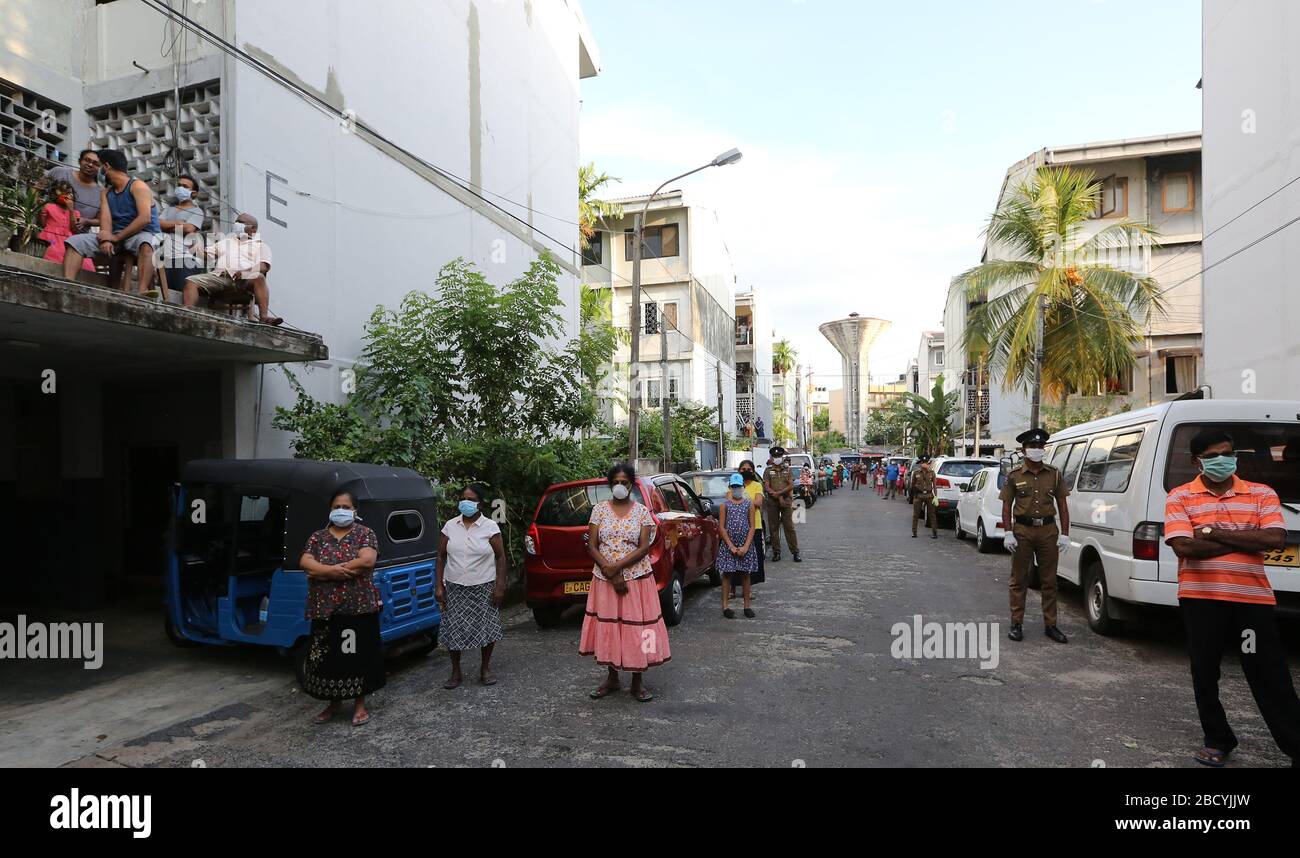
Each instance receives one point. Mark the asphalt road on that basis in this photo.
(811, 681)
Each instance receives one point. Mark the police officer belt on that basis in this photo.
(1035, 522)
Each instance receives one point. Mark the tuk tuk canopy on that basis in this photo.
(397, 503)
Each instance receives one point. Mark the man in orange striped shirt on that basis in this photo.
(1219, 525)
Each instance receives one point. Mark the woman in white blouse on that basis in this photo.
(471, 584)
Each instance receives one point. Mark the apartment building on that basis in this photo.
(1156, 180)
(374, 142)
(931, 362)
(753, 362)
(688, 285)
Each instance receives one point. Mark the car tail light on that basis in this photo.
(1146, 540)
(533, 542)
(1000, 526)
(941, 483)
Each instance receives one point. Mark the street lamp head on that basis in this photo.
(731, 156)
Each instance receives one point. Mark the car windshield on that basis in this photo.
(962, 469)
(571, 506)
(1267, 453)
(711, 485)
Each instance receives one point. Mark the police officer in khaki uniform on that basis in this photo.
(923, 497)
(778, 492)
(1033, 499)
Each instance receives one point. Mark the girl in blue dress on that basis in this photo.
(737, 554)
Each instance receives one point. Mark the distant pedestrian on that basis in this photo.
(1035, 493)
(891, 480)
(923, 498)
(1220, 526)
(880, 481)
(624, 624)
(345, 655)
(737, 554)
(471, 585)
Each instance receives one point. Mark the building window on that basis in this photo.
(672, 391)
(657, 242)
(1180, 374)
(938, 357)
(670, 314)
(1178, 193)
(653, 386)
(1114, 197)
(594, 252)
(1121, 384)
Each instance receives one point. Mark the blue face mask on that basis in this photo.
(183, 194)
(468, 508)
(1219, 468)
(737, 492)
(342, 517)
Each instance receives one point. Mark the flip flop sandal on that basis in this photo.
(490, 681)
(362, 722)
(729, 614)
(604, 691)
(451, 686)
(644, 697)
(1212, 757)
(323, 718)
(749, 613)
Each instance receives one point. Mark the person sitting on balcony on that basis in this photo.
(128, 229)
(59, 220)
(85, 186)
(181, 224)
(240, 263)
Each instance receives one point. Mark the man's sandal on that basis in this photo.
(1212, 757)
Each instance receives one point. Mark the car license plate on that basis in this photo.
(575, 588)
(1289, 556)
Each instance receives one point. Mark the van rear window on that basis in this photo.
(572, 506)
(1267, 453)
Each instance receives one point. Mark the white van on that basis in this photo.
(1120, 469)
(799, 460)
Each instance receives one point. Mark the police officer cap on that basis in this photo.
(923, 458)
(1033, 436)
(777, 451)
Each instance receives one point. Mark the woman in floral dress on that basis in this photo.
(737, 554)
(345, 656)
(624, 626)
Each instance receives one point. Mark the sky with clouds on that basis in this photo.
(876, 134)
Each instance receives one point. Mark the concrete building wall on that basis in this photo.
(1252, 305)
(354, 224)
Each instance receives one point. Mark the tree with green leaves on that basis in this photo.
(466, 386)
(784, 357)
(1093, 314)
(929, 420)
(888, 426)
(592, 211)
(822, 421)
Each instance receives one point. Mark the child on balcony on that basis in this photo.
(59, 220)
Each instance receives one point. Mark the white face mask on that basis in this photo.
(1034, 454)
(778, 460)
(621, 492)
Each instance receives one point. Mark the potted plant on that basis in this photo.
(23, 212)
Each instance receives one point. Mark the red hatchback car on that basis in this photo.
(558, 570)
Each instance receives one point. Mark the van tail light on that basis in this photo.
(942, 483)
(1146, 540)
(533, 541)
(1000, 526)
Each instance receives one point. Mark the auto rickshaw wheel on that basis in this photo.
(298, 655)
(173, 634)
(548, 616)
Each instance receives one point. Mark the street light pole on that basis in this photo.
(731, 156)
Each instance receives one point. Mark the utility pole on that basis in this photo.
(1036, 403)
(633, 370)
(798, 405)
(722, 431)
(663, 389)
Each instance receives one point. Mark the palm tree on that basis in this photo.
(1093, 313)
(929, 420)
(592, 211)
(783, 357)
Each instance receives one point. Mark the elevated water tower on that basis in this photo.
(853, 338)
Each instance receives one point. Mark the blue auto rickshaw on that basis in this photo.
(238, 531)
